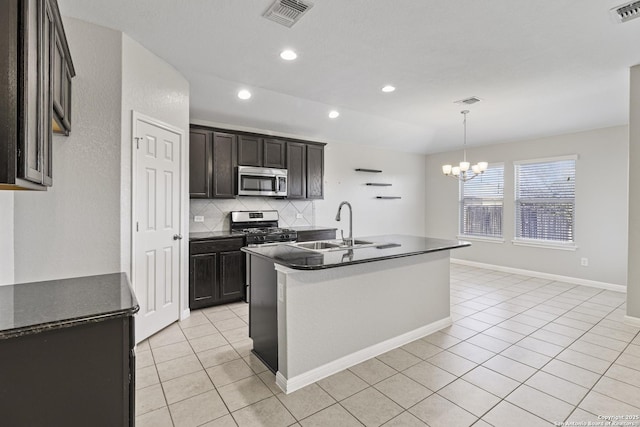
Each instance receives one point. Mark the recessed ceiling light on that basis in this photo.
(244, 94)
(288, 55)
(388, 88)
(333, 114)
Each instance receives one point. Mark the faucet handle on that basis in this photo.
(342, 236)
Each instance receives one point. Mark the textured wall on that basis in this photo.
(633, 288)
(371, 216)
(74, 228)
(601, 205)
(6, 238)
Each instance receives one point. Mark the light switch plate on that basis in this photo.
(198, 218)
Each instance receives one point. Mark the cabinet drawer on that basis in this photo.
(217, 245)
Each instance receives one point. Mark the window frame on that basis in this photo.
(544, 243)
(480, 237)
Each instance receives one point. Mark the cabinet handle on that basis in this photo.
(177, 237)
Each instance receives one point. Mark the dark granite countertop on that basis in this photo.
(212, 235)
(388, 247)
(311, 228)
(29, 308)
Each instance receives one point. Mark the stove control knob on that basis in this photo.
(285, 236)
(261, 238)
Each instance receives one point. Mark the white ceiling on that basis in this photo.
(542, 67)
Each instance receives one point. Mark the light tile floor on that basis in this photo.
(522, 351)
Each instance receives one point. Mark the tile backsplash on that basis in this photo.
(216, 211)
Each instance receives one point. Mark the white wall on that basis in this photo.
(154, 88)
(6, 238)
(633, 287)
(73, 229)
(601, 205)
(371, 216)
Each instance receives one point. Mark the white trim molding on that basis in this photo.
(632, 321)
(542, 275)
(484, 239)
(544, 244)
(292, 384)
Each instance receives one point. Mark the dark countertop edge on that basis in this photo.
(67, 323)
(362, 261)
(221, 236)
(311, 228)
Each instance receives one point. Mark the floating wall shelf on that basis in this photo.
(368, 170)
(378, 184)
(388, 197)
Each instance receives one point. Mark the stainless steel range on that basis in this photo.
(261, 227)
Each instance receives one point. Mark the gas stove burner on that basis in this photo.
(261, 227)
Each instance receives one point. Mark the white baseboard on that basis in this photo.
(541, 275)
(185, 313)
(632, 321)
(292, 384)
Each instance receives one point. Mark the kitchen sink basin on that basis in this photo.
(333, 245)
(321, 245)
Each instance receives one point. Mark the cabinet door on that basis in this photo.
(225, 161)
(61, 88)
(232, 275)
(315, 174)
(34, 135)
(48, 48)
(203, 280)
(274, 154)
(296, 166)
(249, 150)
(200, 164)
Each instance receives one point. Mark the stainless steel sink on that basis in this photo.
(321, 245)
(333, 245)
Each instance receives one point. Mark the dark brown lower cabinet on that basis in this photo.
(82, 375)
(216, 272)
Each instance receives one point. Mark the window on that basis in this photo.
(481, 203)
(545, 200)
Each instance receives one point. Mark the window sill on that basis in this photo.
(481, 238)
(545, 245)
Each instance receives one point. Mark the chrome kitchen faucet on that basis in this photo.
(349, 240)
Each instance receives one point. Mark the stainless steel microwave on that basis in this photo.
(254, 181)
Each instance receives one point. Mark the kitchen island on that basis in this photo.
(315, 312)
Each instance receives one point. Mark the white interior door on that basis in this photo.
(156, 242)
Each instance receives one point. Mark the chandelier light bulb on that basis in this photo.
(464, 166)
(483, 166)
(446, 169)
(455, 171)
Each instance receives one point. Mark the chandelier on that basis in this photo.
(462, 172)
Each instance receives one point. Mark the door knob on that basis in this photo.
(177, 237)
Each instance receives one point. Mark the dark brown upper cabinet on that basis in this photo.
(30, 34)
(63, 72)
(225, 161)
(305, 164)
(262, 152)
(274, 154)
(200, 164)
(297, 170)
(214, 155)
(315, 171)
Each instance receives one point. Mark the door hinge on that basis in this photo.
(137, 138)
(137, 226)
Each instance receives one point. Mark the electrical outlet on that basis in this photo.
(584, 262)
(299, 215)
(198, 218)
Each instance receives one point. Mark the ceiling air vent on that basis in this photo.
(468, 101)
(626, 12)
(287, 12)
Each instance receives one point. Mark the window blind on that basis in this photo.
(481, 204)
(545, 200)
